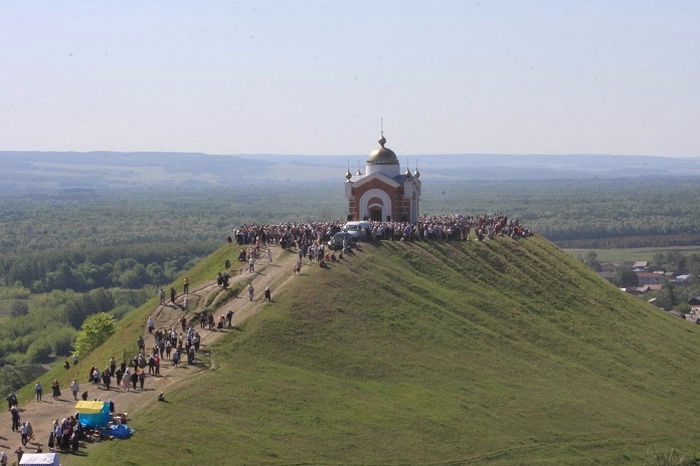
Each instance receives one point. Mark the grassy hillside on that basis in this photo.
(499, 352)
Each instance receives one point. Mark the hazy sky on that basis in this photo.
(315, 77)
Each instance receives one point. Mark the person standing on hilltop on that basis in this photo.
(119, 374)
(183, 322)
(11, 400)
(251, 291)
(23, 434)
(269, 255)
(126, 379)
(186, 285)
(107, 378)
(251, 264)
(134, 379)
(161, 295)
(203, 316)
(55, 390)
(38, 388)
(14, 412)
(173, 295)
(75, 388)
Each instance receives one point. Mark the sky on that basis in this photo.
(323, 77)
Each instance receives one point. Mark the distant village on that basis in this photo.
(644, 279)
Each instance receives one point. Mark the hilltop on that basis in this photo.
(502, 352)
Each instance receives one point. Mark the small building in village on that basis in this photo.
(383, 193)
(650, 278)
(694, 305)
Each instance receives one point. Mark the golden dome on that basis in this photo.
(382, 155)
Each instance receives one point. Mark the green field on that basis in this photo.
(631, 254)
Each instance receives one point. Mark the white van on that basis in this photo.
(356, 229)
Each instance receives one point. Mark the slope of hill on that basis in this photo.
(498, 352)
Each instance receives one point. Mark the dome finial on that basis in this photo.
(382, 139)
(348, 175)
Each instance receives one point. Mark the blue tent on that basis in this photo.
(93, 413)
(120, 431)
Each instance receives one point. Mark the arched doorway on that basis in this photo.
(374, 204)
(374, 209)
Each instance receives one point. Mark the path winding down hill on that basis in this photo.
(41, 414)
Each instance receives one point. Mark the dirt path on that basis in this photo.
(41, 414)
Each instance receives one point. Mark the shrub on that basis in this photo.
(96, 329)
(61, 341)
(39, 351)
(19, 308)
(12, 378)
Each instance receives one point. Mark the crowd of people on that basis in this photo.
(444, 227)
(64, 435)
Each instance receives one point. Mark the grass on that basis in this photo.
(631, 254)
(499, 352)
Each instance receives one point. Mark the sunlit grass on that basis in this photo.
(498, 352)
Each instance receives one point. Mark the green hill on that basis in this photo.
(499, 352)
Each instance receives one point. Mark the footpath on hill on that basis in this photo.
(41, 415)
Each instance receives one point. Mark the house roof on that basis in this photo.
(649, 274)
(608, 266)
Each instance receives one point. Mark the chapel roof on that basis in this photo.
(382, 155)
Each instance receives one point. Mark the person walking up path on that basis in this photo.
(38, 389)
(75, 388)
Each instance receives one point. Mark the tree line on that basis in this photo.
(45, 327)
(588, 213)
(84, 270)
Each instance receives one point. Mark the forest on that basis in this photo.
(67, 254)
(619, 213)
